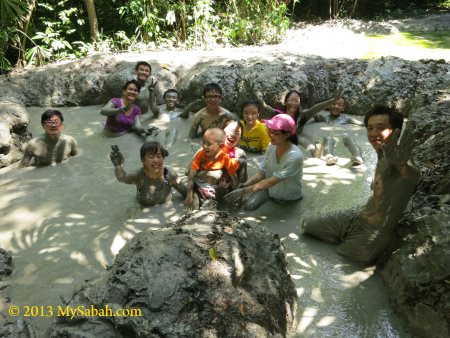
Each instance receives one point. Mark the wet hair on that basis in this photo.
(228, 121)
(168, 91)
(297, 113)
(395, 117)
(292, 138)
(152, 148)
(289, 93)
(251, 102)
(143, 63)
(49, 113)
(212, 87)
(125, 86)
(218, 133)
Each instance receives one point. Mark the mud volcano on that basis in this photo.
(208, 275)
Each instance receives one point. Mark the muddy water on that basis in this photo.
(65, 223)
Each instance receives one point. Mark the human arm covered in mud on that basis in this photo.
(190, 107)
(28, 154)
(250, 88)
(310, 112)
(195, 124)
(137, 127)
(398, 154)
(153, 105)
(118, 161)
(254, 182)
(110, 109)
(189, 201)
(175, 182)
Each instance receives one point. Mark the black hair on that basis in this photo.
(143, 63)
(125, 86)
(395, 117)
(251, 102)
(297, 113)
(212, 87)
(49, 113)
(153, 148)
(292, 138)
(168, 91)
(226, 122)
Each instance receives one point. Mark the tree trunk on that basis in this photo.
(93, 22)
(23, 41)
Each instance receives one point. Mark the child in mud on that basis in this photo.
(212, 115)
(51, 146)
(154, 180)
(255, 137)
(291, 107)
(335, 117)
(206, 168)
(365, 233)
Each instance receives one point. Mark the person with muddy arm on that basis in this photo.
(292, 107)
(365, 233)
(154, 180)
(51, 146)
(123, 115)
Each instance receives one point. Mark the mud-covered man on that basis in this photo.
(143, 72)
(51, 146)
(364, 233)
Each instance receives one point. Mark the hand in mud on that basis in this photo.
(116, 156)
(152, 82)
(189, 203)
(338, 93)
(152, 130)
(235, 197)
(399, 154)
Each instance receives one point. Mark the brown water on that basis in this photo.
(65, 223)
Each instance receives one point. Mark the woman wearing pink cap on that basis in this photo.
(280, 173)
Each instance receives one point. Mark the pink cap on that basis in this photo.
(281, 122)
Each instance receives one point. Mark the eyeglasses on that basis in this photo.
(212, 97)
(52, 123)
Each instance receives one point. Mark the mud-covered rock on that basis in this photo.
(418, 272)
(5, 263)
(209, 275)
(13, 130)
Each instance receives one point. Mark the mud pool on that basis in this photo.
(65, 223)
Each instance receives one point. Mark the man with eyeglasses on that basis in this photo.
(51, 146)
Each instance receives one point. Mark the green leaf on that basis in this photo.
(212, 253)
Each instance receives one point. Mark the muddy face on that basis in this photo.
(212, 99)
(143, 73)
(53, 126)
(292, 102)
(210, 145)
(130, 93)
(153, 163)
(379, 130)
(171, 100)
(337, 107)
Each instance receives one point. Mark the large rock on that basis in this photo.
(418, 272)
(13, 130)
(210, 275)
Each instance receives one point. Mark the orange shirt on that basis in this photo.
(222, 160)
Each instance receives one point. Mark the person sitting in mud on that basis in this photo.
(206, 168)
(365, 233)
(292, 108)
(123, 116)
(212, 115)
(280, 173)
(51, 146)
(147, 83)
(153, 181)
(335, 117)
(255, 137)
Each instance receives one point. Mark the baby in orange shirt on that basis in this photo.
(207, 167)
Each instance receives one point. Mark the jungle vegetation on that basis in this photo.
(35, 32)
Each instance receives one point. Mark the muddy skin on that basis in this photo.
(364, 233)
(45, 150)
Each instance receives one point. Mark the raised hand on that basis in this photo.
(249, 86)
(152, 82)
(399, 154)
(235, 196)
(338, 93)
(116, 156)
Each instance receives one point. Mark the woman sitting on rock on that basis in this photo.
(122, 115)
(280, 173)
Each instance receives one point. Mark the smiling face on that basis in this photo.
(171, 100)
(233, 134)
(211, 145)
(212, 99)
(130, 93)
(277, 137)
(143, 72)
(53, 126)
(250, 114)
(379, 130)
(337, 107)
(292, 102)
(153, 162)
